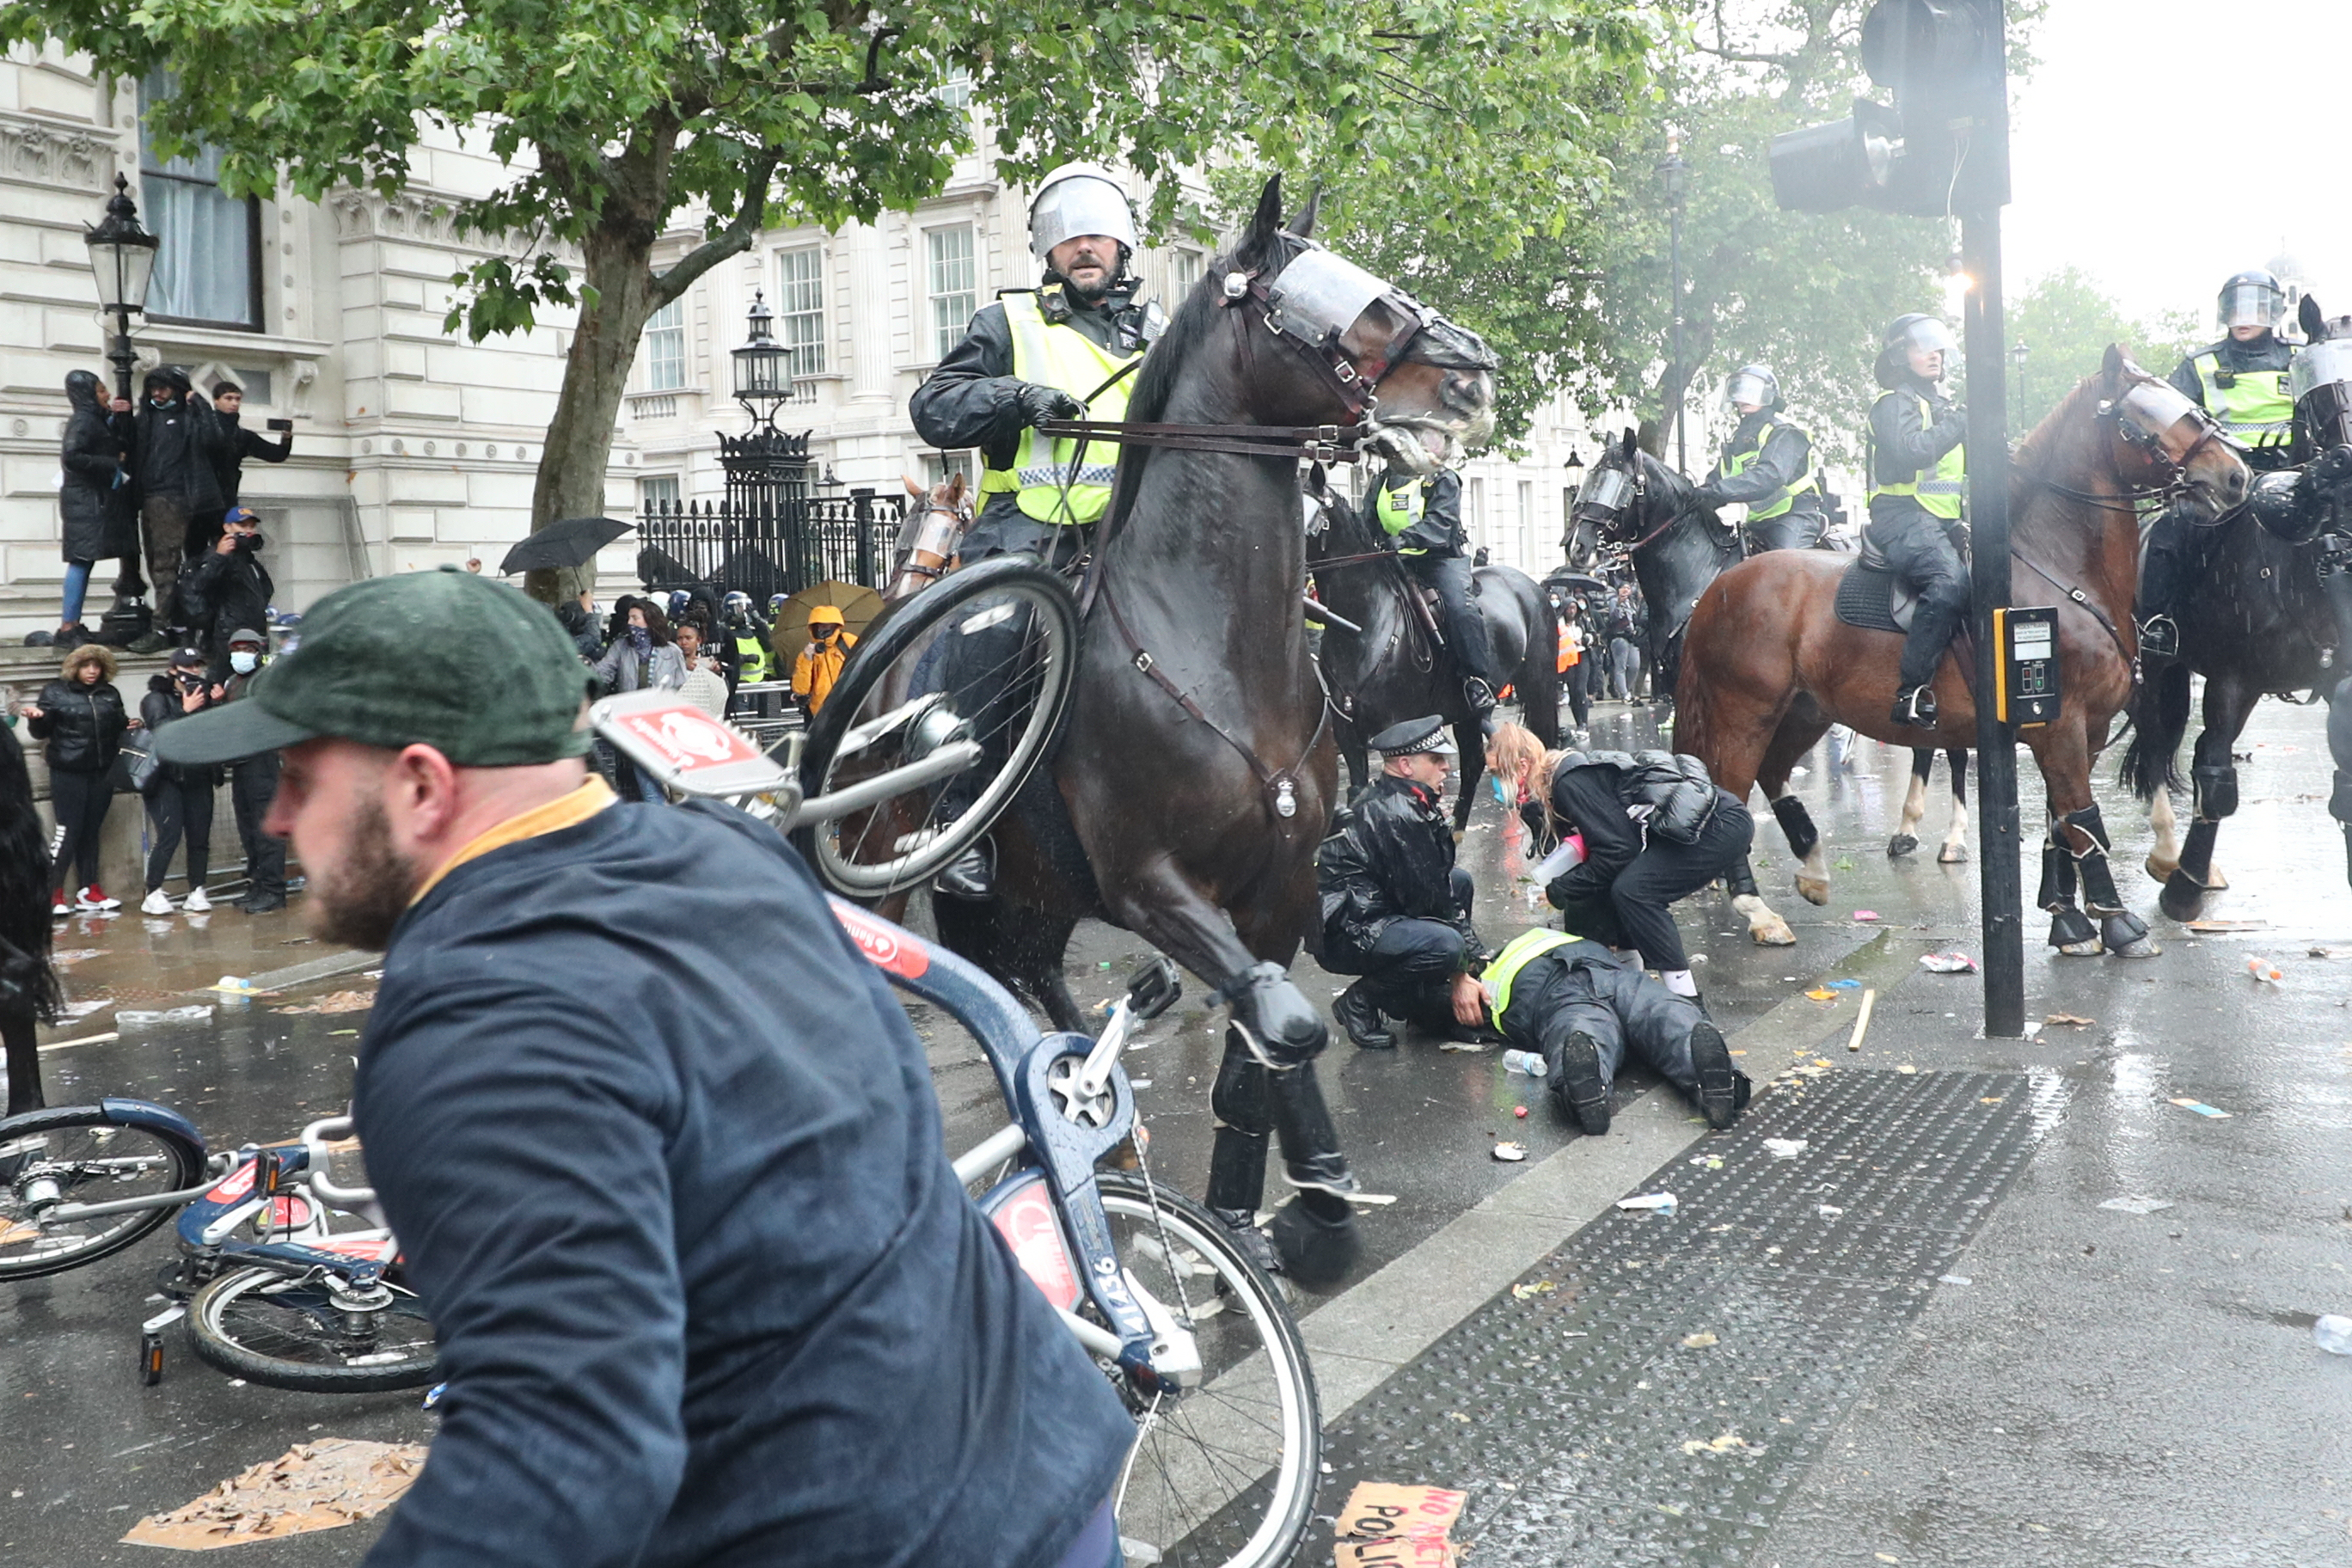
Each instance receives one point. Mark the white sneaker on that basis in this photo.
(196, 903)
(58, 907)
(157, 903)
(93, 900)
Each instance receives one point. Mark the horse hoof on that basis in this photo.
(2091, 949)
(1901, 844)
(2160, 870)
(2182, 898)
(1814, 889)
(2214, 881)
(1952, 855)
(1317, 1243)
(1772, 931)
(2144, 947)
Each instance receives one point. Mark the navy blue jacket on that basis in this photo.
(672, 1188)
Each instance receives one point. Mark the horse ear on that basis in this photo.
(2112, 369)
(955, 488)
(2315, 324)
(1632, 446)
(1258, 242)
(1302, 222)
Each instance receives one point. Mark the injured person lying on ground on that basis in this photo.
(1581, 1008)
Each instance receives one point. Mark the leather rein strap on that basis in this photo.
(1314, 443)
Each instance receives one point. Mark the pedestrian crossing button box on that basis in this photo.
(2025, 642)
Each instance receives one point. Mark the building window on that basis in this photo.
(1474, 512)
(800, 308)
(956, 91)
(205, 269)
(940, 467)
(665, 348)
(1185, 268)
(658, 492)
(1527, 552)
(954, 273)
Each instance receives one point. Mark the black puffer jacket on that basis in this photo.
(82, 725)
(96, 503)
(179, 446)
(1391, 859)
(160, 707)
(1612, 797)
(225, 594)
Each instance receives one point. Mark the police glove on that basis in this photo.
(1040, 403)
(1709, 497)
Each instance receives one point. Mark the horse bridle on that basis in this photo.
(2143, 414)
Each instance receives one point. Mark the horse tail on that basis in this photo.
(2160, 717)
(1539, 668)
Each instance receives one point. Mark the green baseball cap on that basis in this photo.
(448, 660)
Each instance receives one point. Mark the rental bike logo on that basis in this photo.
(881, 945)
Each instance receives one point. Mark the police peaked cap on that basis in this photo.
(1413, 737)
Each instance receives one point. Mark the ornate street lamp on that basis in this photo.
(764, 380)
(1676, 175)
(122, 259)
(2017, 357)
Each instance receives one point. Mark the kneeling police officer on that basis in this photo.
(1394, 907)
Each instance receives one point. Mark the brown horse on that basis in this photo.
(1767, 665)
(1197, 768)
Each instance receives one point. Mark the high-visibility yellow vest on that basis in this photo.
(1517, 954)
(1053, 482)
(2254, 406)
(750, 657)
(1399, 510)
(1781, 499)
(1939, 490)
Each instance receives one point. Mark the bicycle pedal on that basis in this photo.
(151, 1359)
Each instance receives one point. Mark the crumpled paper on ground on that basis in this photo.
(322, 1485)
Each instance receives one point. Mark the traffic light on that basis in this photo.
(1942, 148)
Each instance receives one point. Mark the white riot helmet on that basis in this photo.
(1753, 384)
(2252, 299)
(1080, 198)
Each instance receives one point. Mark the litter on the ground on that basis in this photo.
(1519, 1111)
(1510, 1154)
(1729, 1443)
(1533, 1289)
(2319, 952)
(1828, 1211)
(2076, 1019)
(1707, 1162)
(2214, 927)
(337, 1001)
(1699, 1341)
(1383, 1525)
(1906, 1070)
(2137, 1205)
(1661, 1202)
(134, 1018)
(2333, 1334)
(1865, 916)
(73, 1011)
(1823, 994)
(1786, 1148)
(2201, 1109)
(312, 1486)
(1472, 1046)
(2261, 968)
(1861, 1019)
(1526, 1062)
(84, 1040)
(1954, 1280)
(234, 985)
(1843, 985)
(1948, 963)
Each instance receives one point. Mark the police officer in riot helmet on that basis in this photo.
(2241, 381)
(1767, 465)
(1394, 908)
(1066, 350)
(1917, 463)
(1422, 517)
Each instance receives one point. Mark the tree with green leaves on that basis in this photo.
(616, 117)
(1805, 294)
(2066, 321)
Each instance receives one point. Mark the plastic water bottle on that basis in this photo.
(2333, 1334)
(1532, 1064)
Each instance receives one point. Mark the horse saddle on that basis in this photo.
(1870, 596)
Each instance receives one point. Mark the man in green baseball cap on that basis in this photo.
(672, 1189)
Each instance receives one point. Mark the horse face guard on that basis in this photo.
(2166, 429)
(1610, 498)
(1324, 304)
(2320, 381)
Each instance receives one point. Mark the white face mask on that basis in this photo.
(244, 662)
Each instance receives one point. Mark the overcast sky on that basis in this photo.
(2162, 145)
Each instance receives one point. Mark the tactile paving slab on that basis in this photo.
(1584, 1428)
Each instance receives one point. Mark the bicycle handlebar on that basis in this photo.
(315, 1139)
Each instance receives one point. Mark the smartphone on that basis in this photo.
(280, 424)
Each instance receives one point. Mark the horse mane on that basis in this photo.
(2060, 418)
(1155, 384)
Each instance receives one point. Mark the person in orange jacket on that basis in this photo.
(819, 664)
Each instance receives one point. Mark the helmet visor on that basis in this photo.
(1082, 204)
(2252, 305)
(1928, 335)
(1750, 388)
(1318, 296)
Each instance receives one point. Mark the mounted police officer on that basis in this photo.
(2241, 381)
(1395, 907)
(1062, 351)
(1917, 467)
(1065, 350)
(1767, 465)
(1422, 518)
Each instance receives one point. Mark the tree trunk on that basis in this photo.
(618, 296)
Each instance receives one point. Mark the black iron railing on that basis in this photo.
(766, 539)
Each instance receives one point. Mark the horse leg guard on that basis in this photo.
(2071, 931)
(2216, 791)
(2184, 889)
(1276, 1023)
(1740, 881)
(1242, 1101)
(1315, 1233)
(1797, 824)
(2124, 933)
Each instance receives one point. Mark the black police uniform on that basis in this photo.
(1394, 907)
(1434, 549)
(2173, 560)
(1919, 545)
(1784, 458)
(1656, 828)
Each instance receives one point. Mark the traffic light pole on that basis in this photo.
(1999, 847)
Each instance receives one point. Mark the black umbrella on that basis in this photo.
(570, 542)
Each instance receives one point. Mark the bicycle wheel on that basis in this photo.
(1224, 1470)
(986, 655)
(287, 1329)
(75, 1154)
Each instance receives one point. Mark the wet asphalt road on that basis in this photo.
(2107, 1388)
